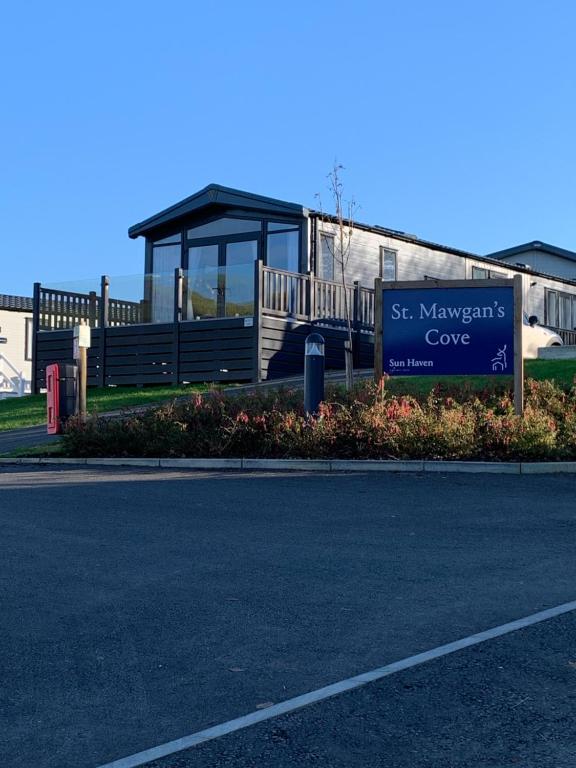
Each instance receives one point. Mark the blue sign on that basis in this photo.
(439, 331)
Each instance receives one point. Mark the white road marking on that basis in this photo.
(171, 747)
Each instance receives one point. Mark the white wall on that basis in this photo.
(416, 262)
(13, 328)
(413, 261)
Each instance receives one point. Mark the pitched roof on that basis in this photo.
(16, 303)
(535, 245)
(216, 196)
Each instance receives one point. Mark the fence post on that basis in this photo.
(356, 324)
(178, 293)
(178, 301)
(257, 338)
(92, 309)
(311, 297)
(378, 361)
(34, 388)
(103, 322)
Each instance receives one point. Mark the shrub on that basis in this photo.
(364, 423)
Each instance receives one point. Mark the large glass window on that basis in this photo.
(165, 259)
(283, 248)
(224, 226)
(325, 270)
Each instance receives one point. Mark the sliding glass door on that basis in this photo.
(203, 282)
(239, 278)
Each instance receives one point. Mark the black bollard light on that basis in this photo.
(313, 373)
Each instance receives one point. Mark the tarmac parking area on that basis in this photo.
(139, 607)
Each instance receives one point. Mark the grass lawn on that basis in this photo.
(52, 450)
(563, 372)
(31, 410)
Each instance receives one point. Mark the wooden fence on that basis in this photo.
(58, 309)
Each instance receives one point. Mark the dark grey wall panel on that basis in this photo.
(202, 351)
(167, 353)
(283, 347)
(56, 347)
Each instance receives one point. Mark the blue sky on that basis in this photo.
(455, 121)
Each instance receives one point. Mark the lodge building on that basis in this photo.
(234, 281)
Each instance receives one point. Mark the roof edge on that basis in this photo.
(214, 194)
(534, 245)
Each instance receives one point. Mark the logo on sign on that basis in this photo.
(499, 363)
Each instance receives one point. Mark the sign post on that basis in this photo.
(450, 327)
(518, 347)
(81, 341)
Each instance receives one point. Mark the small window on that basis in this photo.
(282, 252)
(552, 308)
(28, 329)
(276, 226)
(565, 311)
(325, 270)
(165, 259)
(388, 264)
(480, 273)
(173, 239)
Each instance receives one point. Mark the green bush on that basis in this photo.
(365, 423)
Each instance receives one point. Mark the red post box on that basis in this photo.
(60, 395)
(53, 400)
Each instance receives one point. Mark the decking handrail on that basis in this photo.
(304, 296)
(59, 309)
(284, 293)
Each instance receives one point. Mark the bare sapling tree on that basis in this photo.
(339, 247)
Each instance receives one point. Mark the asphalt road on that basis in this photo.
(11, 440)
(505, 704)
(138, 607)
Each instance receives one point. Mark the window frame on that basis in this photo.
(325, 235)
(559, 297)
(488, 274)
(28, 337)
(386, 251)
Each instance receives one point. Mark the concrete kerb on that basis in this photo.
(508, 468)
(314, 465)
